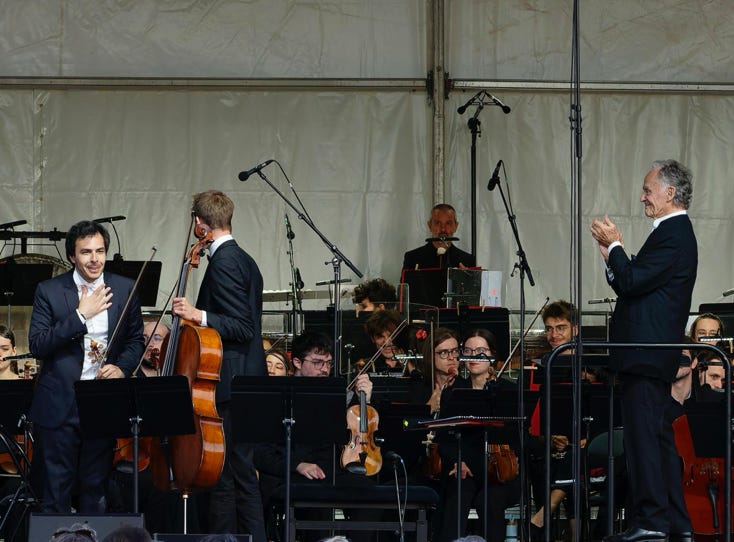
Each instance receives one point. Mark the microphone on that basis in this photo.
(494, 180)
(497, 101)
(392, 456)
(460, 110)
(12, 224)
(725, 294)
(299, 280)
(109, 219)
(290, 233)
(244, 175)
(604, 300)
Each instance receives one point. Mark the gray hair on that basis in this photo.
(675, 174)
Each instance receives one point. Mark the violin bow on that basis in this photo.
(371, 361)
(126, 308)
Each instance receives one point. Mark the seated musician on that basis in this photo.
(8, 369)
(559, 319)
(153, 336)
(700, 378)
(439, 254)
(373, 295)
(311, 354)
(478, 343)
(278, 362)
(379, 327)
(436, 370)
(706, 325)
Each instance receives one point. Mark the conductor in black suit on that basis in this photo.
(654, 291)
(74, 316)
(230, 301)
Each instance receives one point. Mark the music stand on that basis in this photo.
(148, 287)
(307, 410)
(15, 400)
(492, 410)
(392, 430)
(148, 407)
(427, 286)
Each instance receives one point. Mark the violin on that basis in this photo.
(362, 455)
(502, 464)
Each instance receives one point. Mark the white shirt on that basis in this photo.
(97, 327)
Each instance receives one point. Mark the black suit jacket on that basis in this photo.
(231, 295)
(56, 337)
(654, 292)
(426, 257)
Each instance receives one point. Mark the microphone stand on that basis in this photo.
(337, 258)
(296, 282)
(475, 127)
(522, 265)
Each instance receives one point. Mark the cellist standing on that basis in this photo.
(230, 301)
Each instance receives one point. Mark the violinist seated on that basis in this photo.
(503, 490)
(311, 354)
(379, 327)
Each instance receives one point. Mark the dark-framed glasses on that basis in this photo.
(320, 363)
(445, 354)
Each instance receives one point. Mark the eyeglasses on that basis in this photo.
(156, 338)
(320, 363)
(558, 329)
(445, 354)
(481, 351)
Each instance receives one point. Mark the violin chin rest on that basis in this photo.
(355, 467)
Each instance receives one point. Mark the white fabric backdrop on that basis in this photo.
(362, 160)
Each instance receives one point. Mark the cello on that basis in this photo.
(703, 482)
(192, 462)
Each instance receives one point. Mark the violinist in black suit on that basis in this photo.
(230, 301)
(654, 292)
(74, 316)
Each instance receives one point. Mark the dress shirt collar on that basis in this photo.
(79, 281)
(216, 244)
(657, 221)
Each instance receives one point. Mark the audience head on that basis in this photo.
(128, 533)
(78, 532)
